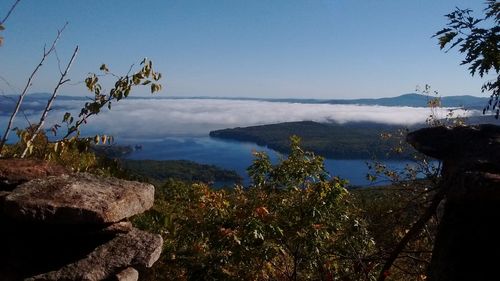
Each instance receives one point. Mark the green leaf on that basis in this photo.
(446, 38)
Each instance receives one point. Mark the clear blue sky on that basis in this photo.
(244, 48)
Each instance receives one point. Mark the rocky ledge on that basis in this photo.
(78, 199)
(470, 181)
(61, 226)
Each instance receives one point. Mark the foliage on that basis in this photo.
(405, 243)
(436, 118)
(122, 88)
(409, 204)
(73, 154)
(399, 207)
(293, 223)
(389, 212)
(421, 166)
(65, 150)
(478, 39)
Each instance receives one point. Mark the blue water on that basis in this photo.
(237, 156)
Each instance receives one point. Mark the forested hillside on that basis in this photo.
(331, 140)
(160, 171)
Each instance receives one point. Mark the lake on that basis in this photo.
(154, 123)
(237, 156)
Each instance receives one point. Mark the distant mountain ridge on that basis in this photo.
(37, 101)
(412, 100)
(418, 100)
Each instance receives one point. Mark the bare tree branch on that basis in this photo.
(10, 11)
(62, 80)
(58, 62)
(27, 86)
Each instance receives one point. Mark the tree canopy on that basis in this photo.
(477, 38)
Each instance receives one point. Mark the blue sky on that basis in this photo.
(235, 48)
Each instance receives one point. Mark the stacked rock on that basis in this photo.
(61, 226)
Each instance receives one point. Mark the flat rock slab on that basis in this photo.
(136, 248)
(78, 199)
(479, 143)
(16, 171)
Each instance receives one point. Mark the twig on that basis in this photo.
(27, 86)
(130, 69)
(83, 119)
(62, 80)
(15, 89)
(414, 258)
(22, 111)
(10, 11)
(12, 88)
(58, 61)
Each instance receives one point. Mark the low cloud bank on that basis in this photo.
(159, 118)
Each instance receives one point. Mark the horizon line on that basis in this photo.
(254, 98)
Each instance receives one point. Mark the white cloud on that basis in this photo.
(158, 118)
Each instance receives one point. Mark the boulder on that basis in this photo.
(78, 199)
(135, 248)
(16, 171)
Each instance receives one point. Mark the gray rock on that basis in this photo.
(78, 199)
(119, 227)
(136, 248)
(128, 274)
